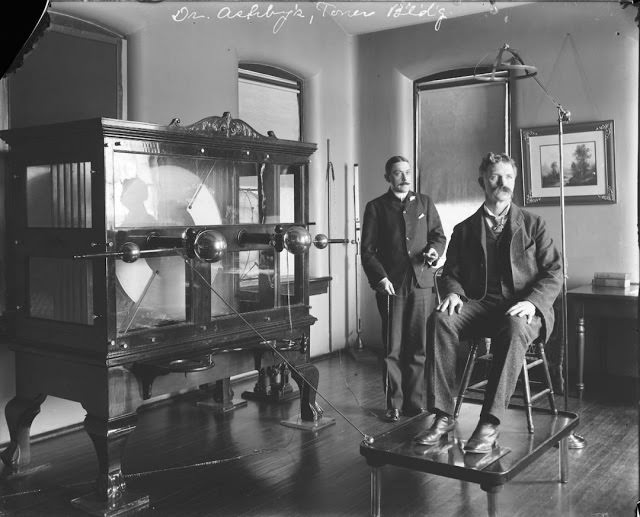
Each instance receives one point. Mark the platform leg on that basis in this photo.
(376, 487)
(492, 499)
(111, 496)
(19, 412)
(563, 451)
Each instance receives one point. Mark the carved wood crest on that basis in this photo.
(221, 126)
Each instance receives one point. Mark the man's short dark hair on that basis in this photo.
(391, 161)
(492, 159)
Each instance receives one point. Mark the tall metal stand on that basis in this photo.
(359, 345)
(357, 350)
(575, 441)
(330, 178)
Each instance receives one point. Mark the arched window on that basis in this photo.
(270, 99)
(458, 119)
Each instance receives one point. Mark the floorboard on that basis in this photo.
(194, 463)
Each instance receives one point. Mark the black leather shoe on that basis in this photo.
(392, 415)
(441, 426)
(483, 439)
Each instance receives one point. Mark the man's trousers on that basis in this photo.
(404, 335)
(510, 338)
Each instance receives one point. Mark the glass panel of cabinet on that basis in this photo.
(128, 227)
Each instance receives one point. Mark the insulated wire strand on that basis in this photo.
(348, 386)
(274, 349)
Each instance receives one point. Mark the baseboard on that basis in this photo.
(53, 433)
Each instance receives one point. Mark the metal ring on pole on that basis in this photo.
(516, 67)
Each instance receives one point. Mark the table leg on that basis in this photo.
(580, 349)
(563, 451)
(492, 499)
(576, 441)
(376, 486)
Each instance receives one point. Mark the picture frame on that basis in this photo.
(588, 162)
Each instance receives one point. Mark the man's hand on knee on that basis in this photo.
(451, 303)
(523, 310)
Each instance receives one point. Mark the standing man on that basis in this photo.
(500, 280)
(401, 239)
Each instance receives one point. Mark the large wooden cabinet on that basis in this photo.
(145, 259)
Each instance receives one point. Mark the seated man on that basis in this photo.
(501, 276)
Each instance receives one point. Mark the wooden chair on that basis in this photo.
(534, 356)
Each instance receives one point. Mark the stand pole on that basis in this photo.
(330, 178)
(575, 441)
(562, 116)
(356, 241)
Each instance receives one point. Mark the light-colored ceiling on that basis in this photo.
(127, 17)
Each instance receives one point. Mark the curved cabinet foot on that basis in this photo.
(19, 412)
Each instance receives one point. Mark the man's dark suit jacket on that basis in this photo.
(394, 235)
(536, 266)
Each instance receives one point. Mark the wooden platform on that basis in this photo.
(517, 450)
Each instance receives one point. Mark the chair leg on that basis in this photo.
(466, 377)
(545, 365)
(527, 395)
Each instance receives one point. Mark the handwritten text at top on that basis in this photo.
(321, 9)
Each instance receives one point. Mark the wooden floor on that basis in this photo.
(195, 463)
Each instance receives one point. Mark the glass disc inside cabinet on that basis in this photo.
(179, 192)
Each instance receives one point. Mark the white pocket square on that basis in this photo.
(420, 216)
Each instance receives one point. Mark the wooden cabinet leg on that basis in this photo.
(222, 399)
(111, 496)
(19, 412)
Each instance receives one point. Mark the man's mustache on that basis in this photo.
(503, 189)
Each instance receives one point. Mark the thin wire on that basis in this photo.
(553, 99)
(137, 475)
(583, 77)
(348, 386)
(274, 349)
(475, 68)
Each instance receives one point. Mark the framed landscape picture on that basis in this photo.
(588, 163)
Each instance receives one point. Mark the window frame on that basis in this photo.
(453, 78)
(272, 75)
